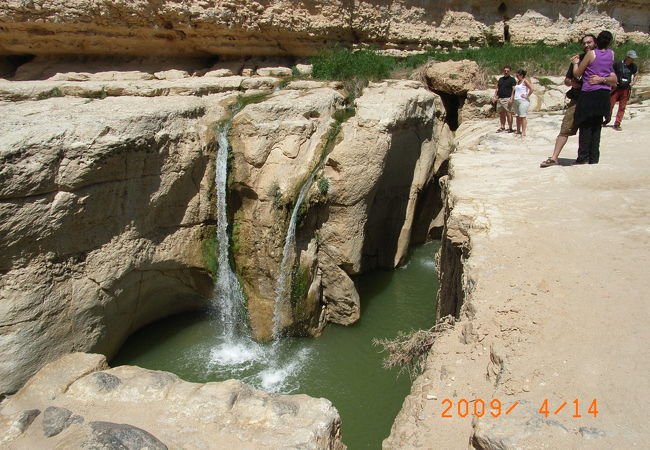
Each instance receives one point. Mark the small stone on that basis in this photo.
(55, 420)
(526, 388)
(432, 397)
(122, 436)
(26, 419)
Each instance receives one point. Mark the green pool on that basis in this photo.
(342, 365)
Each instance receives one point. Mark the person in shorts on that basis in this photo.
(569, 127)
(626, 72)
(521, 101)
(503, 99)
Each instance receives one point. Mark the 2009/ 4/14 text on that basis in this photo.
(495, 408)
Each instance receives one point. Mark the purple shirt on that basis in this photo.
(602, 66)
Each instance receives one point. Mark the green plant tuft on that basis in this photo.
(323, 185)
(299, 287)
(54, 92)
(345, 64)
(545, 82)
(209, 251)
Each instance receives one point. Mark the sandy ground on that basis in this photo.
(558, 309)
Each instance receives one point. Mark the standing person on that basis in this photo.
(593, 103)
(502, 97)
(569, 127)
(626, 72)
(521, 102)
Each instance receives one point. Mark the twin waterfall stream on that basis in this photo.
(237, 347)
(341, 365)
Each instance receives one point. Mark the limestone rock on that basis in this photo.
(158, 410)
(453, 77)
(103, 205)
(375, 172)
(304, 69)
(276, 143)
(173, 74)
(252, 27)
(218, 73)
(274, 72)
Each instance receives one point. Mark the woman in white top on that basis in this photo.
(521, 94)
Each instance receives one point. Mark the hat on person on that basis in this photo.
(632, 54)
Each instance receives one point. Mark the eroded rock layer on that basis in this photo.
(250, 27)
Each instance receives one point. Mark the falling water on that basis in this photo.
(228, 292)
(235, 350)
(288, 251)
(236, 347)
(284, 277)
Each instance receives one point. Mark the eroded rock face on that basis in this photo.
(103, 207)
(276, 144)
(250, 27)
(358, 213)
(85, 403)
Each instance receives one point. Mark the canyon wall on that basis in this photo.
(203, 28)
(107, 201)
(104, 205)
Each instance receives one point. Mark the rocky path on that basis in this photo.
(557, 303)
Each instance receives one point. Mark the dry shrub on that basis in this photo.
(408, 351)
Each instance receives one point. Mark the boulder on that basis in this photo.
(453, 77)
(157, 410)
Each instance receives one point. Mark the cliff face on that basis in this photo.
(103, 206)
(248, 27)
(359, 208)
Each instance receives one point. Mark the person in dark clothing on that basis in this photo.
(569, 127)
(502, 96)
(593, 103)
(626, 72)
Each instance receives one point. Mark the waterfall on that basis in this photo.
(284, 277)
(228, 294)
(236, 348)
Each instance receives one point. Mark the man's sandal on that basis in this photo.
(548, 163)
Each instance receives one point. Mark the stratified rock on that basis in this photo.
(158, 410)
(253, 27)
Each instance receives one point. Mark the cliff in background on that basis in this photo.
(300, 28)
